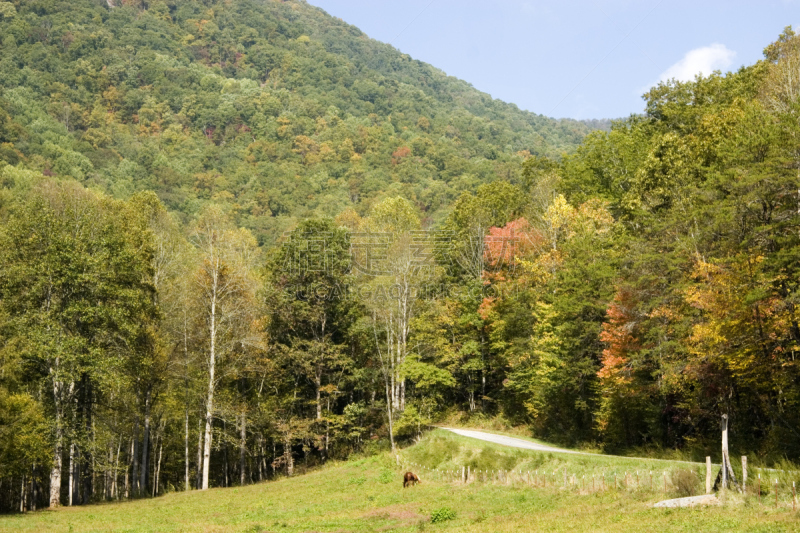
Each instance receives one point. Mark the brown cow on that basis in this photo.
(410, 479)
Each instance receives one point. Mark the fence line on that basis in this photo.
(784, 496)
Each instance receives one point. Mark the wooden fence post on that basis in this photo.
(724, 451)
(708, 474)
(759, 489)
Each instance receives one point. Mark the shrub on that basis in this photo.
(685, 482)
(386, 477)
(442, 515)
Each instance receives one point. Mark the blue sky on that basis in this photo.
(579, 59)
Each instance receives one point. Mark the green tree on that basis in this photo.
(78, 297)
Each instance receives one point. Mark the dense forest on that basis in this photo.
(273, 109)
(240, 239)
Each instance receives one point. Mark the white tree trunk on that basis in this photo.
(199, 480)
(242, 449)
(145, 443)
(128, 472)
(186, 447)
(389, 414)
(287, 453)
(107, 473)
(211, 384)
(114, 490)
(58, 446)
(207, 437)
(158, 466)
(71, 496)
(55, 471)
(318, 386)
(22, 496)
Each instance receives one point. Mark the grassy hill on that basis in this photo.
(367, 495)
(275, 110)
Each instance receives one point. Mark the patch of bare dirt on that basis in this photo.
(401, 513)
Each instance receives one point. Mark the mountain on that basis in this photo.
(273, 109)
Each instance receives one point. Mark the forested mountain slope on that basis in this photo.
(274, 109)
(154, 338)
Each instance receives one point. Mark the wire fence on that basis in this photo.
(767, 490)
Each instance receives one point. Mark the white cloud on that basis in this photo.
(704, 60)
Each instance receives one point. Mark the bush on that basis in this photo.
(685, 482)
(442, 515)
(409, 424)
(386, 477)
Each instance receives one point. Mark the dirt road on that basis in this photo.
(507, 441)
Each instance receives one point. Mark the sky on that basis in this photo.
(577, 59)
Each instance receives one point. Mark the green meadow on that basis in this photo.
(366, 495)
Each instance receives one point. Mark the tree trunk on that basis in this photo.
(199, 482)
(58, 446)
(145, 442)
(186, 395)
(55, 471)
(225, 453)
(242, 448)
(260, 441)
(129, 470)
(114, 489)
(186, 448)
(318, 386)
(211, 386)
(71, 481)
(34, 487)
(22, 495)
(107, 473)
(402, 341)
(724, 451)
(86, 464)
(158, 465)
(327, 430)
(287, 451)
(135, 459)
(389, 413)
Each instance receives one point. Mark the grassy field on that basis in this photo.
(366, 495)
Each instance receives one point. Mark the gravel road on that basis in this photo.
(528, 445)
(507, 441)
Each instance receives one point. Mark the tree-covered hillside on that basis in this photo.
(443, 259)
(274, 109)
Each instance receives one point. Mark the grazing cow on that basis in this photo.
(410, 479)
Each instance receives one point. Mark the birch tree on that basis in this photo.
(226, 289)
(394, 280)
(78, 294)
